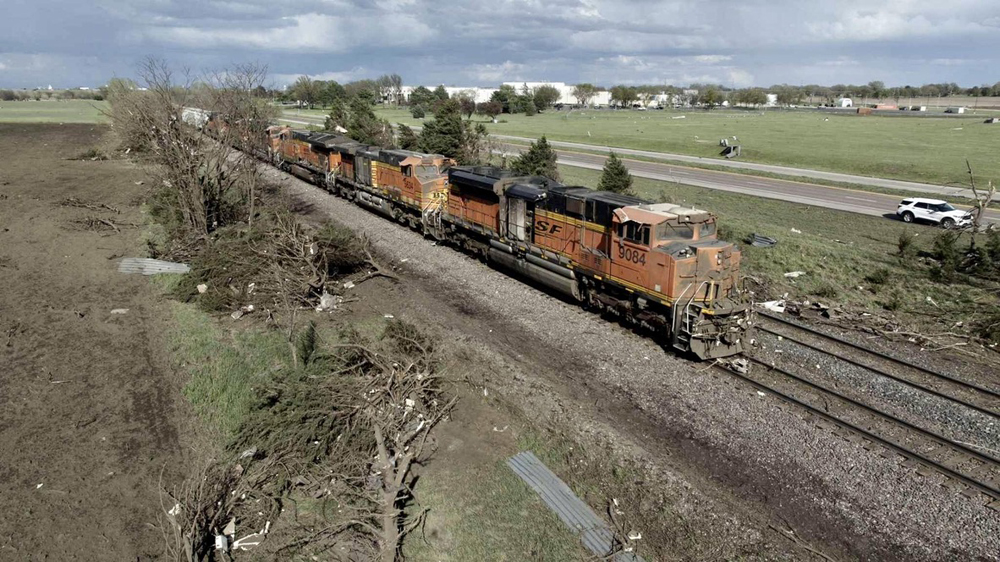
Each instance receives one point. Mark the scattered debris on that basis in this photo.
(796, 231)
(149, 266)
(119, 311)
(174, 511)
(741, 365)
(349, 284)
(328, 302)
(221, 543)
(388, 316)
(253, 539)
(244, 310)
(230, 529)
(74, 202)
(795, 274)
(680, 117)
(202, 288)
(761, 241)
(774, 306)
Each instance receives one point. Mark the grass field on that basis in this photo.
(924, 149)
(839, 252)
(53, 111)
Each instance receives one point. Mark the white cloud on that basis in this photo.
(739, 78)
(342, 76)
(492, 73)
(712, 59)
(315, 32)
(3, 66)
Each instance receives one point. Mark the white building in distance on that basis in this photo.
(481, 95)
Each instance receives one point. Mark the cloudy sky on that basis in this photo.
(483, 42)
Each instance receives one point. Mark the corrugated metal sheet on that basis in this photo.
(576, 514)
(148, 266)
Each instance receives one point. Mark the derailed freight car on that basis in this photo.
(660, 266)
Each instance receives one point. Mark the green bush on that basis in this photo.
(905, 244)
(880, 276)
(895, 301)
(825, 290)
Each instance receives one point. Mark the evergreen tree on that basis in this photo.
(407, 139)
(337, 117)
(443, 134)
(539, 160)
(441, 93)
(365, 127)
(615, 176)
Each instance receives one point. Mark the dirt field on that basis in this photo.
(90, 412)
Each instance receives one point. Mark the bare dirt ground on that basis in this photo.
(91, 415)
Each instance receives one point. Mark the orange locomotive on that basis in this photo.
(659, 266)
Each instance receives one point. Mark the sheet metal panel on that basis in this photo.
(577, 515)
(149, 266)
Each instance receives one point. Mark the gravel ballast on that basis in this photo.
(763, 449)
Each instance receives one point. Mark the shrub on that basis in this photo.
(895, 301)
(905, 244)
(418, 112)
(825, 290)
(878, 277)
(947, 255)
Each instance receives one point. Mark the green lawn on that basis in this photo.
(839, 251)
(53, 111)
(925, 149)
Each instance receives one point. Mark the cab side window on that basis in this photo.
(408, 171)
(634, 232)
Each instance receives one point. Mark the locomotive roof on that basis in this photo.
(397, 155)
(609, 197)
(661, 212)
(491, 178)
(327, 140)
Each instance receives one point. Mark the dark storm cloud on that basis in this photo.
(482, 42)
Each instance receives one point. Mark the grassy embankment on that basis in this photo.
(53, 111)
(843, 254)
(480, 511)
(923, 149)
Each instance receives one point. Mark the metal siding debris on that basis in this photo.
(148, 266)
(577, 515)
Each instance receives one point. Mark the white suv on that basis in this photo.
(932, 210)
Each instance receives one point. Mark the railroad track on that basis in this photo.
(964, 393)
(975, 472)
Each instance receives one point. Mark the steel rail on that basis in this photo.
(987, 489)
(885, 374)
(887, 357)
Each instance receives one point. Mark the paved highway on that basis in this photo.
(855, 201)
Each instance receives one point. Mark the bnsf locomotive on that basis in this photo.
(658, 266)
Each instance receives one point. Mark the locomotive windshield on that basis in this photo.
(668, 231)
(427, 171)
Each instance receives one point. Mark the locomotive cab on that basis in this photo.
(674, 253)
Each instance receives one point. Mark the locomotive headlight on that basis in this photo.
(718, 259)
